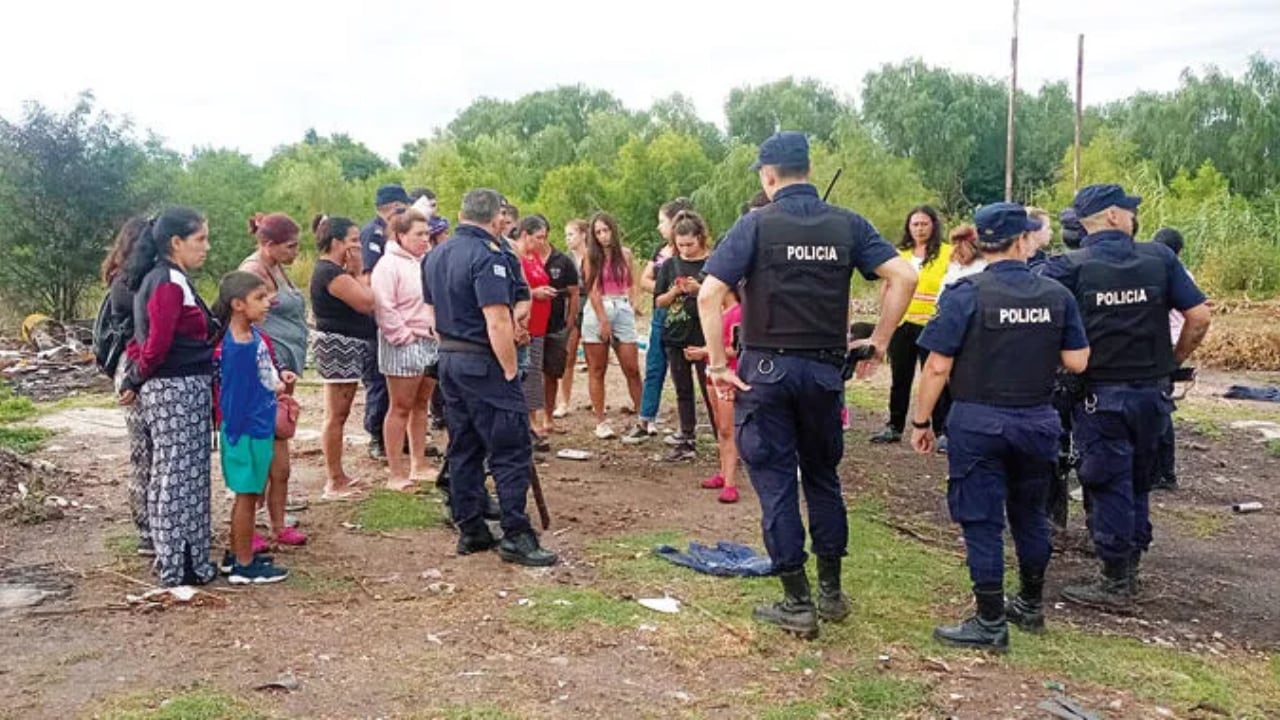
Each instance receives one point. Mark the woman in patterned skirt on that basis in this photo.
(343, 309)
(170, 371)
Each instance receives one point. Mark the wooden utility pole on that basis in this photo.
(1013, 94)
(1075, 174)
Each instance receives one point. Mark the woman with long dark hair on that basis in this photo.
(923, 247)
(170, 371)
(609, 317)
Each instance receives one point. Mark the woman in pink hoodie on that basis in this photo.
(405, 347)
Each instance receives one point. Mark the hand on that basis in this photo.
(355, 262)
(288, 379)
(522, 335)
(510, 376)
(546, 292)
(128, 397)
(726, 383)
(867, 368)
(695, 353)
(691, 286)
(923, 440)
(606, 331)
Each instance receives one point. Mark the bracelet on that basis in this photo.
(717, 370)
(922, 426)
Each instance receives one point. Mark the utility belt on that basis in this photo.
(448, 344)
(832, 357)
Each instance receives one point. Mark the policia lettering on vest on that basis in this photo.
(794, 259)
(1125, 290)
(1000, 336)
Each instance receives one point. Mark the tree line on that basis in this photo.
(1205, 155)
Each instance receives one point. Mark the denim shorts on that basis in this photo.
(622, 319)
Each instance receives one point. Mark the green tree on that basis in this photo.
(67, 183)
(570, 191)
(649, 174)
(357, 162)
(875, 184)
(228, 188)
(756, 112)
(676, 113)
(729, 185)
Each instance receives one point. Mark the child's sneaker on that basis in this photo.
(728, 495)
(715, 482)
(291, 536)
(604, 431)
(229, 561)
(258, 572)
(637, 434)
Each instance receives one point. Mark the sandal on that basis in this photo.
(290, 536)
(403, 486)
(345, 493)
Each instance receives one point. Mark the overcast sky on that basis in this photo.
(253, 75)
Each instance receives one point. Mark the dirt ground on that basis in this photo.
(390, 623)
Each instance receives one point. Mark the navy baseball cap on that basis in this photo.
(388, 194)
(783, 148)
(1093, 199)
(1002, 220)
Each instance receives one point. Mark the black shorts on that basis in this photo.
(555, 354)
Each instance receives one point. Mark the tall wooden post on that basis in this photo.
(1075, 170)
(1013, 94)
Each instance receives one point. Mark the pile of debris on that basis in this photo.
(27, 489)
(51, 360)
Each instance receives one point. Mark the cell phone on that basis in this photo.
(736, 335)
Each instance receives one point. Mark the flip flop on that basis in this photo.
(346, 493)
(408, 487)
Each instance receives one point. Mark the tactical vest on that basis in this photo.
(1013, 343)
(797, 297)
(1126, 314)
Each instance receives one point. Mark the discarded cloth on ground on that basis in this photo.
(1265, 393)
(726, 559)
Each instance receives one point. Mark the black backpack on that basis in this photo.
(110, 335)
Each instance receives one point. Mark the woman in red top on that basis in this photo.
(531, 234)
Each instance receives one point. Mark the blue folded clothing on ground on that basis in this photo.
(1265, 393)
(726, 559)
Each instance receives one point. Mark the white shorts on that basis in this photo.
(622, 321)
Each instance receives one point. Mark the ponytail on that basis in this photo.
(154, 241)
(327, 229)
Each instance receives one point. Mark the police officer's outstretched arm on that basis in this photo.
(711, 314)
(899, 285)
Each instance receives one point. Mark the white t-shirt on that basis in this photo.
(955, 271)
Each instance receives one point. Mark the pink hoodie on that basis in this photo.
(397, 296)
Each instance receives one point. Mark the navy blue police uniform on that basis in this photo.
(794, 259)
(373, 239)
(485, 412)
(1005, 328)
(1125, 291)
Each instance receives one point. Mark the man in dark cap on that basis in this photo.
(999, 337)
(796, 257)
(389, 200)
(1125, 291)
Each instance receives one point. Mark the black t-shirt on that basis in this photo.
(683, 328)
(564, 275)
(332, 314)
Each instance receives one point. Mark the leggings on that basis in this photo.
(682, 372)
(904, 355)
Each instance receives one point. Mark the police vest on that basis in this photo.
(1012, 346)
(797, 297)
(1126, 314)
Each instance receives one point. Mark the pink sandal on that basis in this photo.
(728, 495)
(260, 544)
(291, 536)
(715, 482)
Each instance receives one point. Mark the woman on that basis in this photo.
(655, 357)
(677, 293)
(922, 245)
(345, 331)
(170, 372)
(575, 238)
(531, 234)
(117, 282)
(609, 318)
(965, 259)
(406, 347)
(286, 325)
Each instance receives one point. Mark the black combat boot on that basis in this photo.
(833, 604)
(1113, 591)
(1026, 609)
(795, 613)
(523, 549)
(475, 538)
(987, 630)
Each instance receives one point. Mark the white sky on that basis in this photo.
(253, 75)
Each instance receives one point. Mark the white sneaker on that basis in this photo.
(604, 431)
(560, 412)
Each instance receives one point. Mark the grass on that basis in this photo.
(1211, 417)
(73, 402)
(864, 694)
(122, 546)
(468, 712)
(310, 581)
(194, 704)
(561, 608)
(868, 397)
(1198, 523)
(23, 440)
(388, 510)
(14, 408)
(1273, 447)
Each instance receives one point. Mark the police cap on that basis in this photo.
(783, 148)
(388, 194)
(1002, 220)
(1093, 199)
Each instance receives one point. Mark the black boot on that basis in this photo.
(889, 434)
(986, 630)
(1112, 591)
(833, 605)
(523, 549)
(1026, 609)
(795, 613)
(475, 538)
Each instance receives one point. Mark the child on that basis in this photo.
(726, 479)
(246, 401)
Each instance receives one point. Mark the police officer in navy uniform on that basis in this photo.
(1125, 291)
(389, 200)
(472, 289)
(794, 259)
(1000, 336)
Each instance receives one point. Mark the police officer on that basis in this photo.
(473, 291)
(795, 258)
(1125, 291)
(1000, 336)
(389, 200)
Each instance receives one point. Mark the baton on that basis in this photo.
(832, 184)
(536, 485)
